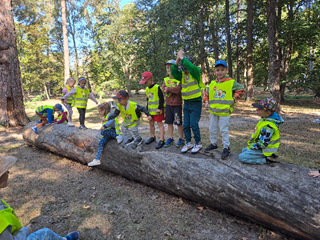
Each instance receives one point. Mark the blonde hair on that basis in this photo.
(106, 107)
(70, 80)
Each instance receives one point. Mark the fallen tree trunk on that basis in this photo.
(282, 198)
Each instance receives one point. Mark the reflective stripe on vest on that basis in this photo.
(220, 98)
(274, 141)
(70, 100)
(190, 87)
(41, 108)
(170, 83)
(81, 98)
(153, 99)
(7, 218)
(116, 124)
(60, 117)
(129, 116)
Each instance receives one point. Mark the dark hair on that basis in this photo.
(106, 107)
(220, 65)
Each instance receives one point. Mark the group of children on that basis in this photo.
(164, 103)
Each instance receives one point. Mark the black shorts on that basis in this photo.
(173, 115)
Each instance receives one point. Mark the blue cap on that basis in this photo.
(221, 62)
(170, 62)
(59, 107)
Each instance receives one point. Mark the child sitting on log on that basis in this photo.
(110, 129)
(61, 118)
(265, 140)
(46, 114)
(130, 113)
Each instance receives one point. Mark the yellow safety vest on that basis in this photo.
(41, 108)
(129, 116)
(221, 101)
(81, 98)
(190, 87)
(70, 100)
(8, 218)
(170, 83)
(116, 124)
(153, 99)
(274, 141)
(60, 117)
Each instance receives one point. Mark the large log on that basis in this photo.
(282, 198)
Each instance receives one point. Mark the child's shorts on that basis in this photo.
(158, 118)
(173, 115)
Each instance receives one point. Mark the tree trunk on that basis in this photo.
(274, 64)
(202, 45)
(213, 28)
(12, 111)
(262, 194)
(228, 38)
(46, 91)
(73, 34)
(65, 40)
(250, 79)
(238, 41)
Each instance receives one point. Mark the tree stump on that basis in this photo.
(282, 197)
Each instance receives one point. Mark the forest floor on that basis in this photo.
(111, 207)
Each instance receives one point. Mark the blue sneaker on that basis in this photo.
(38, 121)
(35, 129)
(73, 236)
(180, 143)
(169, 142)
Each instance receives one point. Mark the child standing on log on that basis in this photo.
(69, 102)
(81, 99)
(155, 105)
(223, 93)
(265, 140)
(172, 89)
(46, 114)
(191, 81)
(110, 129)
(130, 113)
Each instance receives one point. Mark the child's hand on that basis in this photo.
(102, 128)
(164, 90)
(158, 111)
(180, 54)
(150, 118)
(314, 174)
(206, 105)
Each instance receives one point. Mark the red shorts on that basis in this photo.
(159, 117)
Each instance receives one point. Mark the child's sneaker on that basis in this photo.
(150, 140)
(83, 127)
(138, 141)
(186, 147)
(180, 143)
(129, 141)
(95, 162)
(119, 139)
(196, 148)
(160, 144)
(169, 142)
(211, 147)
(70, 124)
(73, 236)
(38, 122)
(34, 128)
(225, 153)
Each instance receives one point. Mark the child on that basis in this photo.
(69, 102)
(81, 99)
(46, 113)
(317, 121)
(155, 107)
(223, 93)
(265, 140)
(62, 117)
(10, 227)
(172, 88)
(192, 85)
(110, 129)
(130, 113)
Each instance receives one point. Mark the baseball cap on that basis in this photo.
(221, 62)
(122, 94)
(267, 104)
(170, 62)
(59, 106)
(145, 76)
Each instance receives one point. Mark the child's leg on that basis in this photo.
(170, 130)
(70, 112)
(178, 112)
(161, 128)
(186, 122)
(224, 130)
(180, 130)
(152, 128)
(125, 131)
(135, 132)
(82, 115)
(195, 115)
(44, 233)
(107, 134)
(213, 128)
(252, 156)
(43, 119)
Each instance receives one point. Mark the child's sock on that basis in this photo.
(72, 236)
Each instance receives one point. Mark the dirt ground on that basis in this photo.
(51, 191)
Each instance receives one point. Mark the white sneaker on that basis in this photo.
(119, 139)
(186, 147)
(196, 148)
(95, 162)
(70, 124)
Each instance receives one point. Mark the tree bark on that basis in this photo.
(269, 196)
(12, 111)
(228, 38)
(202, 45)
(65, 40)
(250, 79)
(274, 64)
(238, 40)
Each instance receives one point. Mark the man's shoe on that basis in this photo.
(160, 144)
(180, 143)
(35, 129)
(211, 147)
(225, 153)
(129, 141)
(95, 162)
(196, 148)
(138, 141)
(119, 139)
(169, 142)
(186, 147)
(150, 140)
